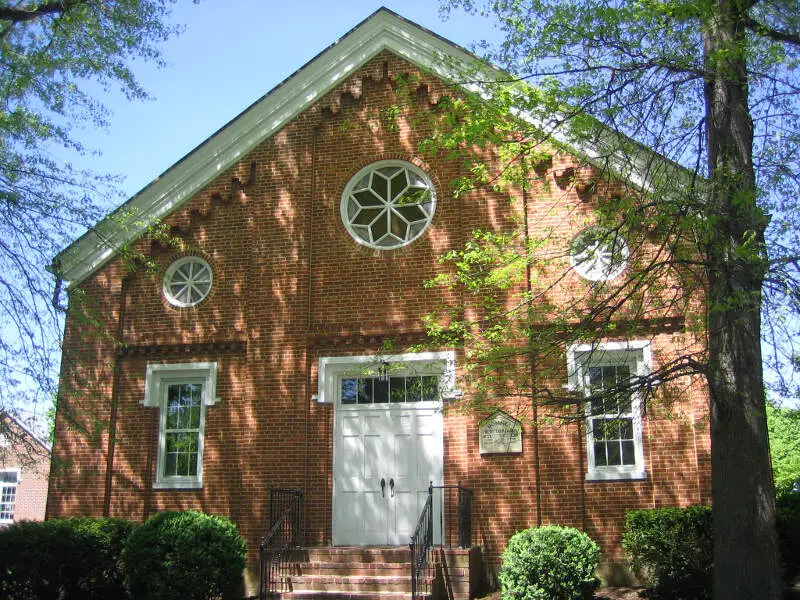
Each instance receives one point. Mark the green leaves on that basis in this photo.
(54, 59)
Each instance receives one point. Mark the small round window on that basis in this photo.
(187, 281)
(388, 204)
(598, 254)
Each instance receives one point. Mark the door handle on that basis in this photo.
(383, 487)
(391, 487)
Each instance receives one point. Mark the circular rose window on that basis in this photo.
(598, 254)
(187, 281)
(388, 204)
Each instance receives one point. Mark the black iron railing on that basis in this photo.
(284, 537)
(454, 512)
(421, 545)
(453, 507)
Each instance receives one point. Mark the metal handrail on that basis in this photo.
(283, 536)
(421, 543)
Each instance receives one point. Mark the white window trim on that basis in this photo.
(343, 204)
(636, 353)
(159, 376)
(333, 368)
(16, 492)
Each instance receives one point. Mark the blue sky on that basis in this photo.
(231, 53)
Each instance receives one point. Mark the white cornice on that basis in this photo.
(383, 30)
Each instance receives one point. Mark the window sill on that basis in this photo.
(616, 475)
(178, 485)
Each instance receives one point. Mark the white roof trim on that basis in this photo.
(383, 30)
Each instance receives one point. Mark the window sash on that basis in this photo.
(8, 498)
(613, 428)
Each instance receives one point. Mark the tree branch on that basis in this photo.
(777, 35)
(19, 14)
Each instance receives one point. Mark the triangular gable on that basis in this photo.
(383, 30)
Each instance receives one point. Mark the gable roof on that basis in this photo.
(383, 30)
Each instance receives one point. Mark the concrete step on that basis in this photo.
(350, 583)
(371, 569)
(357, 554)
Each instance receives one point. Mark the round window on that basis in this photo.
(388, 204)
(598, 254)
(187, 281)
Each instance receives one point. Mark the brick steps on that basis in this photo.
(353, 573)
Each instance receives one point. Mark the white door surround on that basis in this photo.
(387, 447)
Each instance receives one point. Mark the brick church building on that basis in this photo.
(264, 335)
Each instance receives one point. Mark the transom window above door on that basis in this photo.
(388, 204)
(377, 390)
(413, 378)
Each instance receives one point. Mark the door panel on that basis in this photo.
(399, 444)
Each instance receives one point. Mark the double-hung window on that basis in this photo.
(606, 374)
(9, 480)
(181, 392)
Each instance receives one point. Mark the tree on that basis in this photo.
(784, 441)
(694, 102)
(56, 57)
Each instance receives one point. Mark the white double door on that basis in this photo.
(384, 460)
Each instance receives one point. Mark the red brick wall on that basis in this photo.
(20, 451)
(291, 286)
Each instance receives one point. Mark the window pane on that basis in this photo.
(613, 453)
(430, 388)
(365, 391)
(399, 183)
(626, 429)
(628, 454)
(397, 387)
(600, 454)
(349, 391)
(380, 185)
(9, 477)
(380, 391)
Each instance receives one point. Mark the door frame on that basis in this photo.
(333, 368)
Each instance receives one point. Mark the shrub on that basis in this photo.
(184, 556)
(672, 550)
(788, 525)
(549, 563)
(63, 559)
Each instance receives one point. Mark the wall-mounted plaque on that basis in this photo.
(500, 433)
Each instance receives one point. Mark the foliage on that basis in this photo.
(687, 113)
(672, 549)
(784, 440)
(788, 524)
(56, 59)
(63, 559)
(549, 563)
(184, 556)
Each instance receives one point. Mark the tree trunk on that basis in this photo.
(746, 562)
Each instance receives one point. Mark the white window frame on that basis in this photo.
(333, 368)
(170, 274)
(637, 354)
(388, 207)
(159, 378)
(15, 485)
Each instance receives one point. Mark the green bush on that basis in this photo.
(549, 563)
(63, 559)
(184, 556)
(672, 550)
(788, 525)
